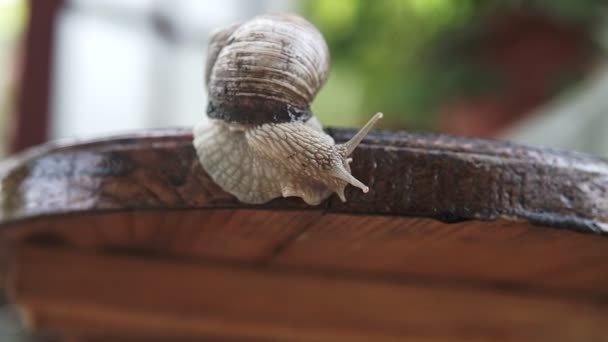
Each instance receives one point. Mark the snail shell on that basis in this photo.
(259, 140)
(266, 70)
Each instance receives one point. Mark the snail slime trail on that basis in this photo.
(259, 139)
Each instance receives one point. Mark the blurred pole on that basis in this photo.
(33, 103)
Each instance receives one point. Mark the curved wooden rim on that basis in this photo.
(409, 174)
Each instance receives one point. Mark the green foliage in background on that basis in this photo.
(384, 54)
(13, 14)
(12, 18)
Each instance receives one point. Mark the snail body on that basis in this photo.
(260, 140)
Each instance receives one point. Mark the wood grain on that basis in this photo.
(483, 254)
(120, 294)
(502, 254)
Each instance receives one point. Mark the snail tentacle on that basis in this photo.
(356, 140)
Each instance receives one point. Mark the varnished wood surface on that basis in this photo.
(484, 254)
(419, 175)
(152, 297)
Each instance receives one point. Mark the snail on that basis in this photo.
(259, 139)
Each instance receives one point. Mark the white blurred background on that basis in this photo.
(114, 66)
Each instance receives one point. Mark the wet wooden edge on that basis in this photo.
(410, 174)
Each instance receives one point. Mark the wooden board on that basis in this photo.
(457, 239)
(163, 299)
(493, 254)
(435, 176)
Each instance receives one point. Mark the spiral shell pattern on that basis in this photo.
(265, 70)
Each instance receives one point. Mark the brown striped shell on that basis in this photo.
(265, 70)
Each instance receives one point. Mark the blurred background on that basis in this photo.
(530, 71)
